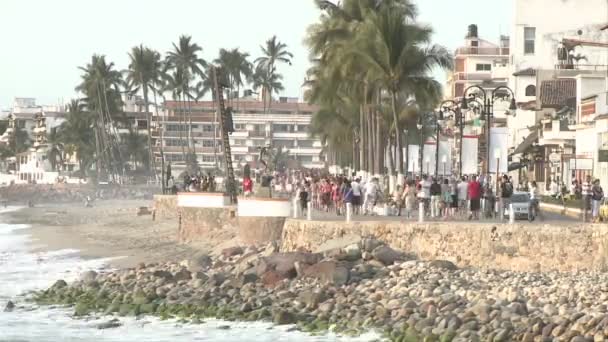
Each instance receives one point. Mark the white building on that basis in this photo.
(285, 124)
(553, 42)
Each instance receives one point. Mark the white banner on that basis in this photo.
(470, 150)
(499, 149)
(412, 157)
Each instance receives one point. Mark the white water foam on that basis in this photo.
(22, 270)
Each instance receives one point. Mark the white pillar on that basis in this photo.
(421, 212)
(295, 208)
(511, 214)
(309, 211)
(349, 211)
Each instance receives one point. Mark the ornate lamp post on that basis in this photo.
(488, 99)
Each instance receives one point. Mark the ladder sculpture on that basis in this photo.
(219, 98)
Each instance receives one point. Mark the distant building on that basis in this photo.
(285, 124)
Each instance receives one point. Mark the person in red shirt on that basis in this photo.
(247, 186)
(474, 193)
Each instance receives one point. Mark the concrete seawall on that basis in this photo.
(165, 206)
(512, 247)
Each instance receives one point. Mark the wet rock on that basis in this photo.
(386, 255)
(329, 272)
(88, 277)
(9, 307)
(182, 274)
(443, 264)
(232, 251)
(282, 317)
(115, 323)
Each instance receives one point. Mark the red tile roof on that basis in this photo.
(556, 93)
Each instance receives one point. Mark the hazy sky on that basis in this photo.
(42, 42)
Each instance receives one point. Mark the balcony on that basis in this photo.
(481, 51)
(587, 67)
(472, 76)
(257, 134)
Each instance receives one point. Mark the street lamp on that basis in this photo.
(487, 112)
(451, 110)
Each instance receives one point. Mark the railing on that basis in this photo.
(590, 67)
(257, 134)
(464, 76)
(482, 51)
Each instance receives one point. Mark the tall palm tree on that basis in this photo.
(237, 68)
(101, 86)
(394, 48)
(273, 52)
(78, 136)
(143, 74)
(268, 82)
(185, 60)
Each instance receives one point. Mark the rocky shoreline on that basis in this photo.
(350, 289)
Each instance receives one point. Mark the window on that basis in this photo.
(239, 142)
(175, 142)
(529, 40)
(207, 158)
(240, 127)
(283, 143)
(207, 143)
(282, 128)
(531, 90)
(259, 143)
(474, 43)
(483, 67)
(305, 143)
(207, 128)
(142, 124)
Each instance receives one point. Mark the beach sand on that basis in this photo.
(110, 228)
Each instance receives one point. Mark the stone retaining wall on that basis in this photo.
(513, 247)
(199, 224)
(165, 206)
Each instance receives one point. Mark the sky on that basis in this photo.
(42, 42)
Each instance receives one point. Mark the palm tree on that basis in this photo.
(77, 134)
(273, 52)
(134, 146)
(185, 61)
(144, 73)
(395, 51)
(237, 68)
(268, 82)
(101, 85)
(55, 151)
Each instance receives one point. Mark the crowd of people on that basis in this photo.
(470, 197)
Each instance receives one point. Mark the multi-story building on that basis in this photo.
(285, 124)
(478, 62)
(482, 63)
(557, 59)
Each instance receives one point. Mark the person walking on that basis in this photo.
(409, 198)
(371, 196)
(597, 195)
(435, 198)
(446, 198)
(463, 196)
(356, 186)
(586, 192)
(347, 196)
(397, 199)
(424, 193)
(303, 197)
(474, 195)
(453, 198)
(534, 205)
(506, 191)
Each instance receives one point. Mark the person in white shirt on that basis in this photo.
(534, 205)
(424, 194)
(463, 193)
(356, 187)
(371, 192)
(554, 189)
